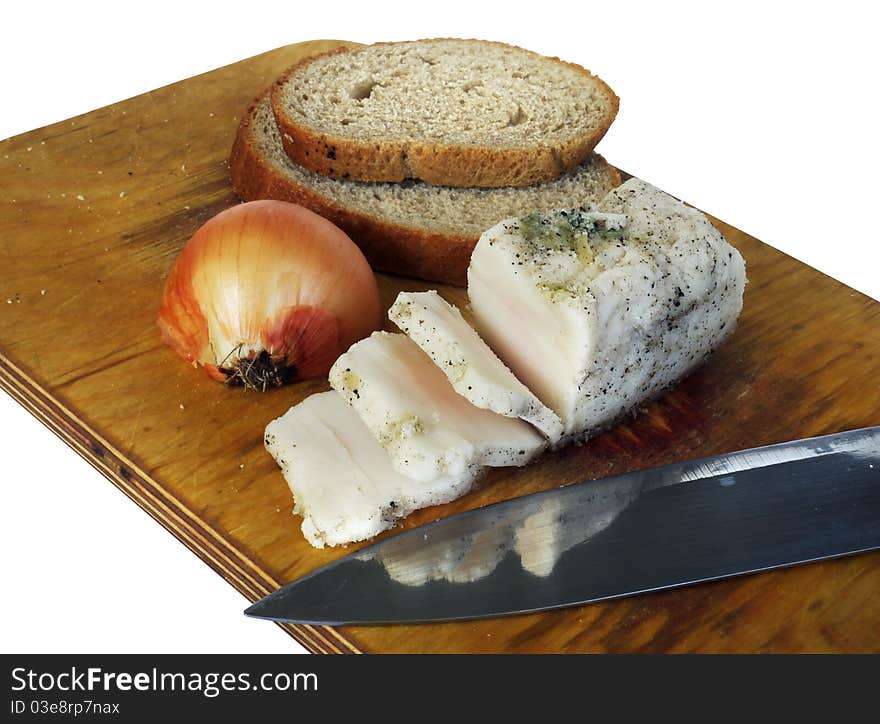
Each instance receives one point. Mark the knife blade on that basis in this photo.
(702, 520)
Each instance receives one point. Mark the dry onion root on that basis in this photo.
(268, 292)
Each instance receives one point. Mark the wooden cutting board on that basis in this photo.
(96, 208)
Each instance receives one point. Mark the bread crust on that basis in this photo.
(439, 164)
(388, 246)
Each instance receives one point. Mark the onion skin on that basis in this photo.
(267, 292)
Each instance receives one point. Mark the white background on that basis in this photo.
(764, 114)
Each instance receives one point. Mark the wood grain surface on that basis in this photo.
(95, 210)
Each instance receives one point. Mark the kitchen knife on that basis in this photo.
(702, 520)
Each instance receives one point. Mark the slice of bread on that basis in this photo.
(449, 112)
(412, 228)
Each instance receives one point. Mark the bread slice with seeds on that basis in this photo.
(447, 111)
(411, 228)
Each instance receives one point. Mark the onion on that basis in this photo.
(267, 292)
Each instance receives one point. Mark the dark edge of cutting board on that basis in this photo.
(183, 524)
